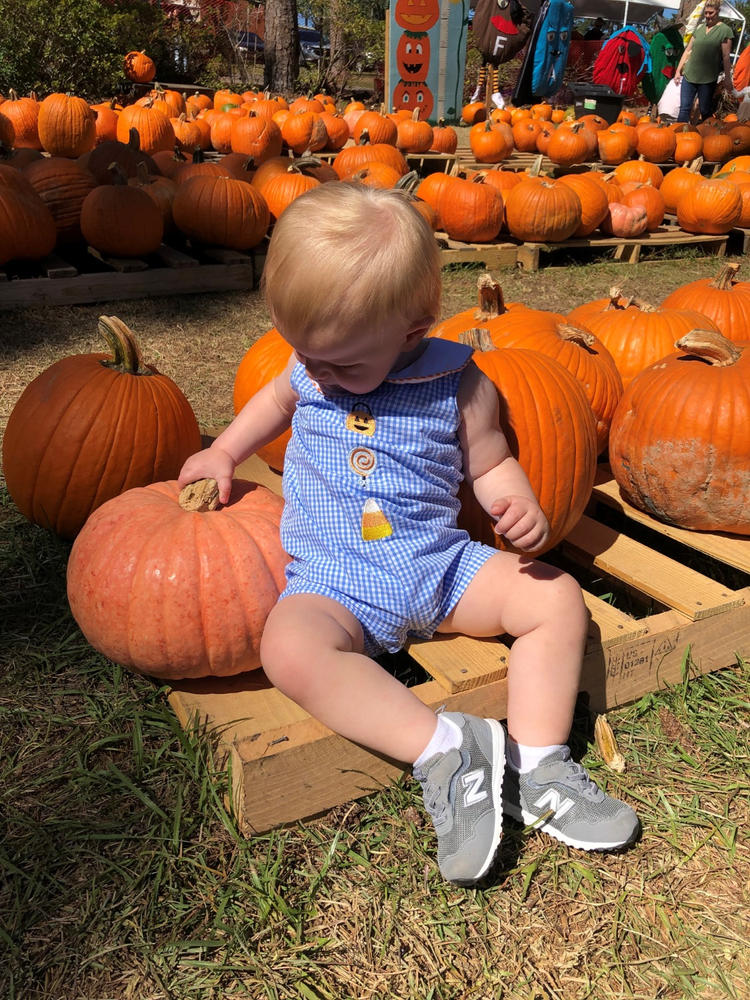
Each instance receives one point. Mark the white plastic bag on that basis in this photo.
(669, 102)
(743, 112)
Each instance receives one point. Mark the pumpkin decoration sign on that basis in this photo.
(426, 57)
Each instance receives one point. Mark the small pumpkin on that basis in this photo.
(139, 67)
(92, 426)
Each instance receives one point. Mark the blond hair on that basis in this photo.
(344, 255)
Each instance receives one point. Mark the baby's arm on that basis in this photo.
(262, 418)
(499, 483)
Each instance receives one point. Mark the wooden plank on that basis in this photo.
(114, 286)
(492, 255)
(609, 625)
(650, 572)
(223, 255)
(460, 663)
(172, 257)
(124, 265)
(733, 550)
(56, 267)
(624, 672)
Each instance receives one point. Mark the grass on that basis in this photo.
(123, 875)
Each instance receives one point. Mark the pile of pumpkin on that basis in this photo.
(632, 199)
(568, 141)
(173, 592)
(123, 178)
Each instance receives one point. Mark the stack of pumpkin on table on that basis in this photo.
(664, 390)
(637, 152)
(121, 178)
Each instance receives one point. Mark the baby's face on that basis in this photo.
(355, 361)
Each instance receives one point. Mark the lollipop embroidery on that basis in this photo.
(374, 524)
(362, 462)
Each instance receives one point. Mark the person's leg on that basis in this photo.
(706, 99)
(543, 608)
(688, 91)
(312, 651)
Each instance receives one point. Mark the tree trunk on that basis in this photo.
(281, 47)
(338, 69)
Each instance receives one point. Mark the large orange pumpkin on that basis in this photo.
(67, 125)
(551, 431)
(221, 211)
(635, 332)
(263, 361)
(177, 593)
(679, 445)
(90, 427)
(724, 299)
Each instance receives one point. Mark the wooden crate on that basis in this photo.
(666, 237)
(285, 766)
(84, 275)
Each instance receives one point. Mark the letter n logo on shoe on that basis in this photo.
(473, 791)
(554, 801)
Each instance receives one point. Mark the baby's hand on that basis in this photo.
(521, 521)
(211, 463)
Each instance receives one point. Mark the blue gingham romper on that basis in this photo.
(370, 484)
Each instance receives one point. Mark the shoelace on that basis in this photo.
(432, 795)
(575, 774)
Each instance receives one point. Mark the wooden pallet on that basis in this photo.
(490, 255)
(285, 766)
(87, 276)
(667, 237)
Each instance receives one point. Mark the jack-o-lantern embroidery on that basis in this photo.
(361, 420)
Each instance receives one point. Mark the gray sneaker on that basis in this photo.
(462, 792)
(560, 798)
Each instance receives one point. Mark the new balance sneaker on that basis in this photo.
(462, 792)
(560, 798)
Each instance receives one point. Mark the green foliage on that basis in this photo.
(78, 46)
(356, 31)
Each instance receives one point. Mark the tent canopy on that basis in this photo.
(632, 11)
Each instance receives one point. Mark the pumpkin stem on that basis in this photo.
(710, 346)
(491, 301)
(200, 496)
(134, 139)
(726, 277)
(575, 334)
(118, 174)
(536, 167)
(477, 337)
(126, 352)
(364, 137)
(409, 182)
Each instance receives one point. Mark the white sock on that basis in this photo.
(476, 95)
(447, 736)
(522, 758)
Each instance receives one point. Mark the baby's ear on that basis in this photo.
(418, 330)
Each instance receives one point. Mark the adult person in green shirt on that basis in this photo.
(706, 54)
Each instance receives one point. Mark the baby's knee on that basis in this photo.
(566, 603)
(281, 654)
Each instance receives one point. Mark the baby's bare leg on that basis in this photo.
(543, 608)
(312, 651)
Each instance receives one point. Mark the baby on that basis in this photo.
(386, 422)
